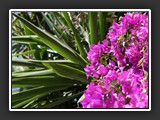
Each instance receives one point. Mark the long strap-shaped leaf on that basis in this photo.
(24, 53)
(53, 43)
(35, 73)
(44, 81)
(77, 38)
(65, 62)
(25, 38)
(22, 62)
(35, 91)
(67, 71)
(38, 63)
(34, 39)
(21, 103)
(102, 25)
(62, 100)
(33, 94)
(93, 27)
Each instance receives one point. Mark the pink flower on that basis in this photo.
(119, 63)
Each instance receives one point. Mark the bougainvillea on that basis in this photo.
(119, 66)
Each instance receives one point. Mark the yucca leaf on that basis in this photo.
(43, 81)
(54, 29)
(22, 62)
(102, 25)
(61, 100)
(32, 46)
(33, 94)
(64, 62)
(67, 71)
(23, 53)
(49, 23)
(34, 39)
(77, 38)
(27, 31)
(22, 86)
(93, 27)
(62, 34)
(29, 70)
(60, 18)
(53, 43)
(35, 91)
(18, 104)
(35, 73)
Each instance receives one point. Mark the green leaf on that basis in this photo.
(120, 39)
(67, 71)
(36, 73)
(27, 31)
(64, 62)
(77, 38)
(37, 50)
(62, 100)
(113, 82)
(60, 34)
(102, 25)
(49, 23)
(44, 81)
(33, 94)
(23, 62)
(24, 53)
(53, 43)
(23, 102)
(39, 63)
(104, 59)
(59, 18)
(93, 27)
(32, 39)
(35, 91)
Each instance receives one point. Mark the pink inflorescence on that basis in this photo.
(119, 66)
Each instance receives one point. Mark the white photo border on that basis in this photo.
(68, 10)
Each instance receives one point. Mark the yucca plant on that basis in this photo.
(49, 52)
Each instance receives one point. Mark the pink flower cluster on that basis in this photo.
(119, 66)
